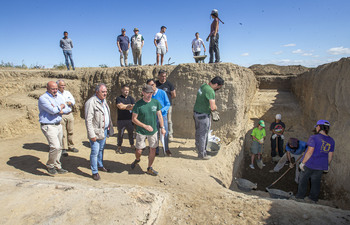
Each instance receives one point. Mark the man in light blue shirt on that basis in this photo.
(162, 97)
(51, 107)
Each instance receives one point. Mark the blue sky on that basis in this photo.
(283, 32)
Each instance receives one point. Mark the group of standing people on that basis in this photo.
(150, 114)
(311, 158)
(136, 42)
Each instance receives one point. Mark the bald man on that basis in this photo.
(51, 107)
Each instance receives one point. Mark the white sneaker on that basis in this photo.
(251, 166)
(272, 171)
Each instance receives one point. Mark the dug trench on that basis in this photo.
(187, 190)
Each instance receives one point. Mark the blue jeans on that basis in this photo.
(96, 155)
(166, 138)
(315, 177)
(214, 48)
(68, 53)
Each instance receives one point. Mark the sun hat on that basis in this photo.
(262, 123)
(136, 29)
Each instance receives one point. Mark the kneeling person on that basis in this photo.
(294, 149)
(144, 116)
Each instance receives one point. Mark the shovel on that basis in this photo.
(284, 173)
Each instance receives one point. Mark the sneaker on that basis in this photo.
(52, 171)
(207, 157)
(168, 152)
(119, 150)
(151, 171)
(61, 171)
(133, 165)
(133, 147)
(64, 152)
(252, 166)
(171, 138)
(273, 171)
(296, 199)
(96, 176)
(74, 150)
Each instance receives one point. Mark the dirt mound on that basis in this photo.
(271, 69)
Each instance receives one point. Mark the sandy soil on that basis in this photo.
(183, 193)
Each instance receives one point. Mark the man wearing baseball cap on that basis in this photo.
(144, 116)
(137, 42)
(123, 44)
(316, 160)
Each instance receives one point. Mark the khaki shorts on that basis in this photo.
(152, 140)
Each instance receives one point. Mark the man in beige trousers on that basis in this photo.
(67, 121)
(51, 107)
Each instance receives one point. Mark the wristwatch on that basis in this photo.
(162, 127)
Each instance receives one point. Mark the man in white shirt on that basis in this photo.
(160, 41)
(67, 121)
(196, 46)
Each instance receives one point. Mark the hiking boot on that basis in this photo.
(52, 171)
(297, 199)
(61, 171)
(96, 176)
(151, 171)
(64, 152)
(252, 166)
(168, 152)
(133, 165)
(74, 150)
(119, 150)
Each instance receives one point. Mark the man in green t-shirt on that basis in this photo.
(144, 116)
(205, 104)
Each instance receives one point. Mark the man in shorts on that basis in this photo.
(144, 116)
(161, 44)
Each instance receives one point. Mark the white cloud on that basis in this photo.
(289, 45)
(298, 51)
(307, 54)
(245, 54)
(278, 53)
(339, 51)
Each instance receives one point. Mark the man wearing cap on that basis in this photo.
(51, 107)
(67, 44)
(258, 135)
(123, 44)
(294, 149)
(144, 115)
(316, 160)
(277, 137)
(161, 43)
(203, 107)
(137, 42)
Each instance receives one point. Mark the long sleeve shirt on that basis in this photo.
(66, 44)
(162, 97)
(49, 108)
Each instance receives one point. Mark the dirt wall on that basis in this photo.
(324, 93)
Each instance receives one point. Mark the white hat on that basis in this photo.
(278, 117)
